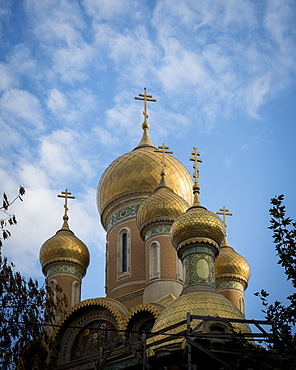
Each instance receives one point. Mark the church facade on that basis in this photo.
(174, 286)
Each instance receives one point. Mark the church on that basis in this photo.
(174, 286)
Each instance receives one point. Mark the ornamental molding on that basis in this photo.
(162, 229)
(130, 211)
(198, 240)
(61, 269)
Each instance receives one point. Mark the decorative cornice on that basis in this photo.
(61, 269)
(229, 285)
(130, 211)
(162, 229)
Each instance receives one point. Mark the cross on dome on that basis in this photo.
(163, 150)
(225, 212)
(66, 195)
(195, 159)
(145, 97)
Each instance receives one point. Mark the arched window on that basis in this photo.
(179, 269)
(123, 252)
(154, 261)
(75, 298)
(241, 304)
(53, 290)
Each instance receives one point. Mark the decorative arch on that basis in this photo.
(86, 326)
(141, 318)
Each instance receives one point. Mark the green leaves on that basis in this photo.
(25, 311)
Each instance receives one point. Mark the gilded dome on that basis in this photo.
(197, 223)
(138, 172)
(162, 204)
(64, 246)
(203, 303)
(231, 264)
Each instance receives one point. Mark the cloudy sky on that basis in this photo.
(223, 74)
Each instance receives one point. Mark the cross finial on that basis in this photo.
(146, 98)
(195, 159)
(225, 212)
(163, 150)
(66, 195)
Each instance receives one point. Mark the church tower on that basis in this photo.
(64, 259)
(123, 187)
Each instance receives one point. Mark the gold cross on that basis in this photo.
(66, 195)
(195, 159)
(146, 98)
(163, 150)
(225, 212)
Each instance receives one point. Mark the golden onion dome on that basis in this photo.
(137, 172)
(163, 204)
(197, 224)
(231, 264)
(203, 303)
(64, 246)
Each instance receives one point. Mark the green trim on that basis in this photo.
(164, 229)
(64, 269)
(122, 214)
(230, 285)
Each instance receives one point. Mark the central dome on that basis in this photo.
(138, 171)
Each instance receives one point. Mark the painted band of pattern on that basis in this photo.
(198, 250)
(164, 229)
(123, 213)
(64, 268)
(230, 284)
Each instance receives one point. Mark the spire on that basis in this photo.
(225, 212)
(145, 141)
(196, 187)
(66, 195)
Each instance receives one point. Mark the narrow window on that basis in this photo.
(124, 252)
(154, 260)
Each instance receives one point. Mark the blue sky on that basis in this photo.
(223, 74)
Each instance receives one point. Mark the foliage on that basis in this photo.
(280, 353)
(9, 219)
(26, 311)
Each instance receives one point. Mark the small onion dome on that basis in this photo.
(64, 246)
(197, 225)
(230, 264)
(163, 205)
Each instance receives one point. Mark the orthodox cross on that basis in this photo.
(146, 98)
(225, 212)
(195, 159)
(163, 150)
(66, 195)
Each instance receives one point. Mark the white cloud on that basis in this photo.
(62, 159)
(7, 79)
(257, 94)
(56, 21)
(108, 9)
(18, 105)
(69, 63)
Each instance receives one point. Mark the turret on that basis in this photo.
(64, 259)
